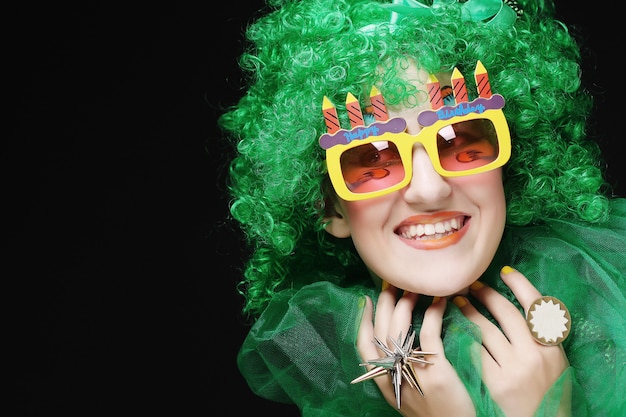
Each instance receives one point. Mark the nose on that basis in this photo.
(426, 184)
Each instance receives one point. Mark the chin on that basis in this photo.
(446, 284)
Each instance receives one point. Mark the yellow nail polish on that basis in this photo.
(506, 270)
(384, 285)
(459, 301)
(435, 299)
(476, 285)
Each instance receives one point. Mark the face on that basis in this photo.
(435, 236)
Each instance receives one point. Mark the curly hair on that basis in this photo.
(301, 51)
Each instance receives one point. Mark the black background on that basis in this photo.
(121, 269)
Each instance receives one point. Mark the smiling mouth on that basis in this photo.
(431, 231)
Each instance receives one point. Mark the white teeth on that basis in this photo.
(436, 230)
(416, 230)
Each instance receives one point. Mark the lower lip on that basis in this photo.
(441, 243)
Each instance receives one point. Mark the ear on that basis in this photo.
(336, 223)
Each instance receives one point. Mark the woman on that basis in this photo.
(349, 260)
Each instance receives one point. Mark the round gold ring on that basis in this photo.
(549, 321)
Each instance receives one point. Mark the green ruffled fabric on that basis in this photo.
(302, 348)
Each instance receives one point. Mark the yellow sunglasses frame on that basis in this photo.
(428, 138)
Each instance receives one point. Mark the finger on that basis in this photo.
(366, 348)
(385, 307)
(524, 291)
(527, 294)
(508, 316)
(430, 334)
(493, 341)
(402, 317)
(496, 345)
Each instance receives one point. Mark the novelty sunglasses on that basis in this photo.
(374, 160)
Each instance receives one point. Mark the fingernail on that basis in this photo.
(436, 299)
(476, 285)
(506, 270)
(459, 301)
(384, 285)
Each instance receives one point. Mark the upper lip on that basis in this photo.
(421, 225)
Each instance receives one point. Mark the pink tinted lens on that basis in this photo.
(467, 145)
(372, 167)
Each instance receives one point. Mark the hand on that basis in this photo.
(444, 393)
(517, 370)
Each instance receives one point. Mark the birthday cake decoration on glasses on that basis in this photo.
(462, 138)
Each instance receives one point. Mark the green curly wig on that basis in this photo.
(301, 51)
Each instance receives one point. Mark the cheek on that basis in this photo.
(485, 188)
(494, 192)
(489, 196)
(367, 219)
(486, 191)
(358, 214)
